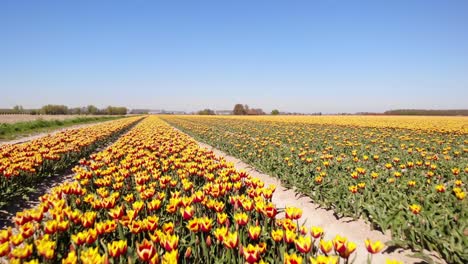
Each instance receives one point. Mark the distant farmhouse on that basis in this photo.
(223, 112)
(165, 112)
(138, 111)
(155, 112)
(174, 112)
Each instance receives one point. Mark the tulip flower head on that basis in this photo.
(251, 253)
(374, 247)
(230, 240)
(303, 244)
(145, 250)
(292, 259)
(241, 218)
(415, 209)
(293, 213)
(326, 246)
(277, 235)
(321, 259)
(254, 232)
(316, 232)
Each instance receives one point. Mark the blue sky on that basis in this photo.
(304, 56)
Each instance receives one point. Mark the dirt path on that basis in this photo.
(45, 186)
(356, 231)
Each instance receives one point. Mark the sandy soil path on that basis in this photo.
(313, 215)
(32, 200)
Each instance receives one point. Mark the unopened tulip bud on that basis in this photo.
(188, 252)
(208, 241)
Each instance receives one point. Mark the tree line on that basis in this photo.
(428, 112)
(52, 109)
(239, 109)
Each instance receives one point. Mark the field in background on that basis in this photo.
(14, 118)
(439, 123)
(25, 128)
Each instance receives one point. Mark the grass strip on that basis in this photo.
(19, 129)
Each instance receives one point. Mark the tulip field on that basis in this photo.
(23, 164)
(155, 196)
(407, 175)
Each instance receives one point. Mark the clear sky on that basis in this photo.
(305, 56)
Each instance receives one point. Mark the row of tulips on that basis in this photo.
(154, 196)
(437, 124)
(409, 181)
(25, 163)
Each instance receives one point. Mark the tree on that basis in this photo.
(75, 111)
(18, 109)
(92, 110)
(239, 110)
(54, 109)
(430, 112)
(113, 110)
(206, 112)
(275, 112)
